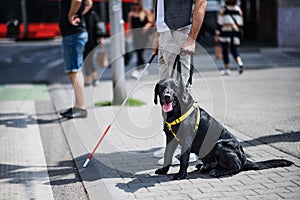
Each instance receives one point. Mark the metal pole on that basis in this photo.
(117, 50)
(24, 18)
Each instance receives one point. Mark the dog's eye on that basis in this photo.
(164, 88)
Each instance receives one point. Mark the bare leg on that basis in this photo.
(87, 80)
(78, 85)
(226, 66)
(95, 77)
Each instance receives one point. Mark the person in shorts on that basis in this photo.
(72, 27)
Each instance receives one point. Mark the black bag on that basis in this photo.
(242, 35)
(100, 27)
(241, 29)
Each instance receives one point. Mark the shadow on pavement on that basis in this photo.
(19, 174)
(141, 173)
(145, 180)
(293, 136)
(22, 120)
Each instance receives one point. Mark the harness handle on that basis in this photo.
(190, 81)
(179, 72)
(177, 64)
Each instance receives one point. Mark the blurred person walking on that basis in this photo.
(73, 30)
(228, 33)
(140, 21)
(95, 37)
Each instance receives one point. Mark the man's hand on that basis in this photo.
(188, 47)
(74, 20)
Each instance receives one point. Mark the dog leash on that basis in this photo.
(178, 64)
(179, 71)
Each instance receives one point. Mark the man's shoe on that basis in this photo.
(159, 153)
(135, 74)
(96, 83)
(87, 84)
(226, 72)
(176, 159)
(75, 113)
(62, 113)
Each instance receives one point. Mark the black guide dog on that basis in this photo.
(187, 124)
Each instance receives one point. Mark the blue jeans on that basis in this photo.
(72, 50)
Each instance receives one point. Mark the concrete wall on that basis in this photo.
(288, 28)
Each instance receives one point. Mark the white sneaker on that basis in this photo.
(159, 153)
(240, 63)
(193, 158)
(175, 160)
(96, 83)
(135, 74)
(226, 72)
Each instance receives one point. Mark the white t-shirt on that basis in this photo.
(160, 17)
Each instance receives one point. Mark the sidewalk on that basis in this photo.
(254, 105)
(34, 159)
(23, 168)
(261, 108)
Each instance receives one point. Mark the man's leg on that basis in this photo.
(73, 56)
(78, 85)
(169, 48)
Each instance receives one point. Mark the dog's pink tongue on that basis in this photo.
(167, 107)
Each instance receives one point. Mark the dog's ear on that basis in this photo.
(156, 91)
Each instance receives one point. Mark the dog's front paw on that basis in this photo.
(180, 176)
(163, 170)
(214, 173)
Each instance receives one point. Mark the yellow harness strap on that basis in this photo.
(183, 117)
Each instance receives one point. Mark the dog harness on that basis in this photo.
(183, 117)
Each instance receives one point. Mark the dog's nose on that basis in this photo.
(167, 97)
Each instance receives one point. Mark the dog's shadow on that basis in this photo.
(143, 181)
(135, 168)
(146, 180)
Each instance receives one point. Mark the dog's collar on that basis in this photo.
(183, 117)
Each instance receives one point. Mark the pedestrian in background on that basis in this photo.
(229, 21)
(94, 39)
(140, 21)
(72, 27)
